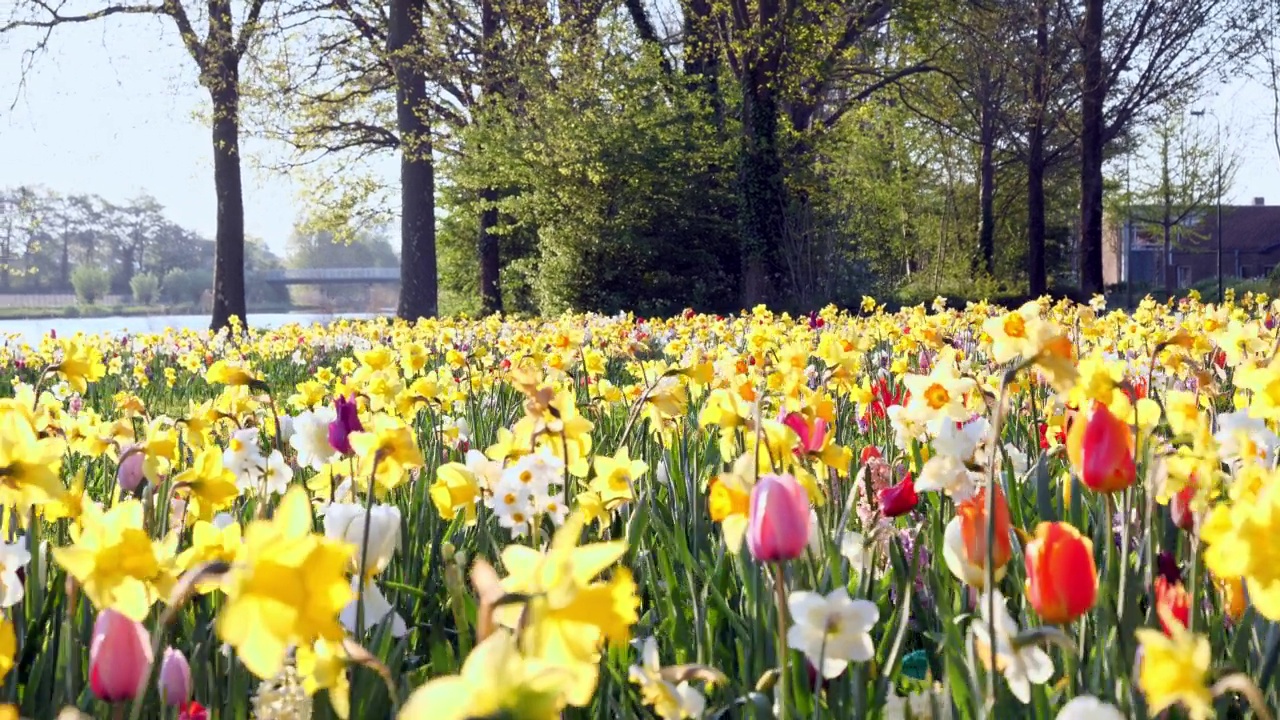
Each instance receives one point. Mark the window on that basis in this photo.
(1184, 276)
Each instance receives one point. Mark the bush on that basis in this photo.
(91, 284)
(185, 286)
(145, 287)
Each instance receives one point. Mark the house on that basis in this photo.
(1250, 245)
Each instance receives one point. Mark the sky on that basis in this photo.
(113, 108)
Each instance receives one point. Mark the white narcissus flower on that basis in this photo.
(275, 473)
(1088, 707)
(669, 701)
(376, 609)
(1241, 437)
(855, 549)
(311, 437)
(345, 521)
(831, 630)
(12, 559)
(243, 457)
(958, 442)
(948, 474)
(1022, 666)
(487, 471)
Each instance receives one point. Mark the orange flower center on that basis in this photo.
(937, 396)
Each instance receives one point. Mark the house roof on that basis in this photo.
(1250, 228)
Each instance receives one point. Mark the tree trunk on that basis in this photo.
(761, 194)
(489, 249)
(228, 253)
(1093, 95)
(1169, 284)
(490, 255)
(1037, 274)
(987, 192)
(418, 279)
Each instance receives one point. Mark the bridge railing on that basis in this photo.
(299, 275)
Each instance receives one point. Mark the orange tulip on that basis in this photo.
(1062, 581)
(1100, 448)
(973, 529)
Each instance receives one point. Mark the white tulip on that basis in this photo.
(1088, 707)
(12, 558)
(376, 609)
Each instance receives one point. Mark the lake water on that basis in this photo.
(32, 330)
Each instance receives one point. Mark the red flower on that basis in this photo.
(1172, 603)
(899, 499)
(192, 711)
(1100, 448)
(1180, 507)
(869, 453)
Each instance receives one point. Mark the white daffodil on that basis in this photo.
(243, 457)
(275, 473)
(947, 474)
(13, 557)
(668, 700)
(344, 521)
(487, 471)
(855, 549)
(1088, 707)
(831, 630)
(919, 705)
(1021, 666)
(311, 437)
(1243, 438)
(376, 609)
(958, 442)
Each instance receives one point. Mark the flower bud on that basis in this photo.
(347, 422)
(778, 523)
(1100, 447)
(899, 499)
(129, 474)
(119, 657)
(175, 678)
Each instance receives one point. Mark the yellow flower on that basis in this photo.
(1174, 670)
(81, 364)
(616, 476)
(211, 544)
(456, 488)
(8, 649)
(323, 666)
(207, 485)
(570, 613)
(29, 466)
(496, 681)
(224, 373)
(286, 587)
(70, 504)
(390, 448)
(117, 563)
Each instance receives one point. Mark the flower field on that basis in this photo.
(1051, 511)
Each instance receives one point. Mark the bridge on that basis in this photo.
(328, 276)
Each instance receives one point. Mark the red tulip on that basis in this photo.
(1180, 507)
(899, 499)
(119, 658)
(1173, 604)
(192, 711)
(175, 678)
(778, 522)
(1062, 581)
(1100, 448)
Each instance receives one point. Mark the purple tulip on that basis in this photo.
(347, 422)
(778, 526)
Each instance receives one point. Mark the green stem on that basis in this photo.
(784, 684)
(364, 548)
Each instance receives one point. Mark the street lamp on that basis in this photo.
(1218, 145)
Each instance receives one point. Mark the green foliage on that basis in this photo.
(91, 284)
(145, 287)
(612, 177)
(185, 286)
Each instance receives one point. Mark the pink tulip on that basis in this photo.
(119, 658)
(778, 524)
(812, 437)
(175, 678)
(129, 474)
